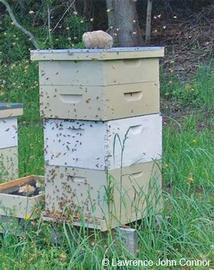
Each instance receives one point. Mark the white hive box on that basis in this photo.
(9, 140)
(102, 199)
(99, 84)
(103, 145)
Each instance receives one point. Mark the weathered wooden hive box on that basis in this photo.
(103, 134)
(102, 199)
(98, 84)
(9, 140)
(13, 203)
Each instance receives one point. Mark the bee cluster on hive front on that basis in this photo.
(103, 133)
(92, 145)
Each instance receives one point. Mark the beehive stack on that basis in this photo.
(103, 134)
(9, 140)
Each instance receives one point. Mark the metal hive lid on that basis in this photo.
(97, 54)
(10, 109)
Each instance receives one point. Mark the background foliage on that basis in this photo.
(185, 28)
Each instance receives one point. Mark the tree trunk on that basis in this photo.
(87, 8)
(111, 18)
(148, 21)
(123, 15)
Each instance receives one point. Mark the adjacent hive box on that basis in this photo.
(8, 163)
(99, 84)
(9, 140)
(103, 145)
(19, 206)
(102, 199)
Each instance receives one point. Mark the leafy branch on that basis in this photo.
(17, 24)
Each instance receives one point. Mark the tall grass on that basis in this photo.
(194, 94)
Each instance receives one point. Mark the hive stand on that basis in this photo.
(130, 238)
(9, 140)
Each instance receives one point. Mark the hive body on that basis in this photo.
(8, 163)
(101, 145)
(103, 198)
(103, 134)
(99, 90)
(9, 140)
